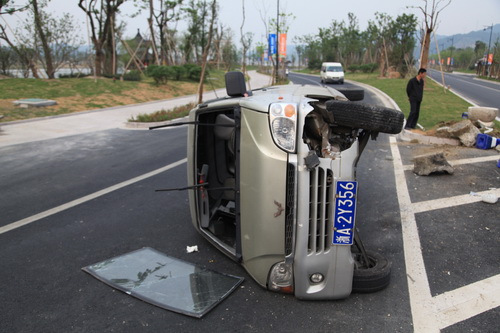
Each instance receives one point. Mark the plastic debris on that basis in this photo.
(484, 141)
(191, 249)
(489, 198)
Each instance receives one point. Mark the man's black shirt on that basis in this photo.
(415, 90)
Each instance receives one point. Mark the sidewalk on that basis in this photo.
(102, 119)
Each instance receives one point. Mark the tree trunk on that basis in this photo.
(424, 58)
(49, 67)
(152, 31)
(205, 52)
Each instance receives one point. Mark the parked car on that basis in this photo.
(332, 72)
(272, 178)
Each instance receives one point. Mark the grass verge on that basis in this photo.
(164, 115)
(438, 106)
(81, 94)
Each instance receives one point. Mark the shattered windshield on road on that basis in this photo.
(166, 282)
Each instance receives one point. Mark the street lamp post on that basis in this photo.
(277, 42)
(489, 44)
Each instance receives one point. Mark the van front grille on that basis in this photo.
(321, 198)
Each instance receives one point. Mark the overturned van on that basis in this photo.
(273, 185)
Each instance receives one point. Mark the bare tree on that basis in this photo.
(101, 16)
(219, 35)
(431, 13)
(27, 56)
(246, 41)
(206, 49)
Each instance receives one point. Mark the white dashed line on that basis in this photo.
(86, 198)
(463, 161)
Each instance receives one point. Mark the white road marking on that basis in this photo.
(422, 311)
(463, 161)
(431, 314)
(468, 301)
(424, 206)
(86, 198)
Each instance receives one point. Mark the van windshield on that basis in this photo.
(334, 69)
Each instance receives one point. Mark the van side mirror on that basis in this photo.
(235, 84)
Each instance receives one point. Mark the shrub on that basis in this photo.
(161, 74)
(353, 68)
(72, 75)
(195, 73)
(368, 68)
(179, 72)
(133, 75)
(314, 64)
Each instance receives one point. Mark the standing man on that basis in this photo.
(415, 92)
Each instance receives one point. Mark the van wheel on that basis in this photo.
(352, 94)
(364, 116)
(372, 277)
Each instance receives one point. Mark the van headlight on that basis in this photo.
(281, 278)
(283, 123)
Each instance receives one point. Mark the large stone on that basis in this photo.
(465, 131)
(484, 114)
(426, 164)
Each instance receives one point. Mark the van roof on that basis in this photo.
(331, 64)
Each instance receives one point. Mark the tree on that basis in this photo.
(206, 49)
(402, 42)
(102, 18)
(229, 53)
(161, 14)
(196, 12)
(383, 29)
(9, 7)
(27, 56)
(351, 41)
(431, 14)
(6, 59)
(246, 41)
(42, 33)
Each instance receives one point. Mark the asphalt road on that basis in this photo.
(45, 290)
(479, 92)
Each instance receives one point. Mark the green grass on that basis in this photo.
(438, 106)
(164, 115)
(51, 89)
(79, 94)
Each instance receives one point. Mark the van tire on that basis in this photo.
(352, 94)
(372, 279)
(364, 116)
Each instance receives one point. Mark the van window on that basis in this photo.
(334, 69)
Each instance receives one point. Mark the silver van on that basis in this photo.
(272, 174)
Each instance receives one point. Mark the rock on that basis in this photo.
(460, 128)
(465, 131)
(469, 139)
(484, 114)
(426, 164)
(394, 75)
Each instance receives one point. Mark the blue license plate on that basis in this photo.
(345, 213)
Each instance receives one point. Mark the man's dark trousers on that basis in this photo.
(414, 113)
